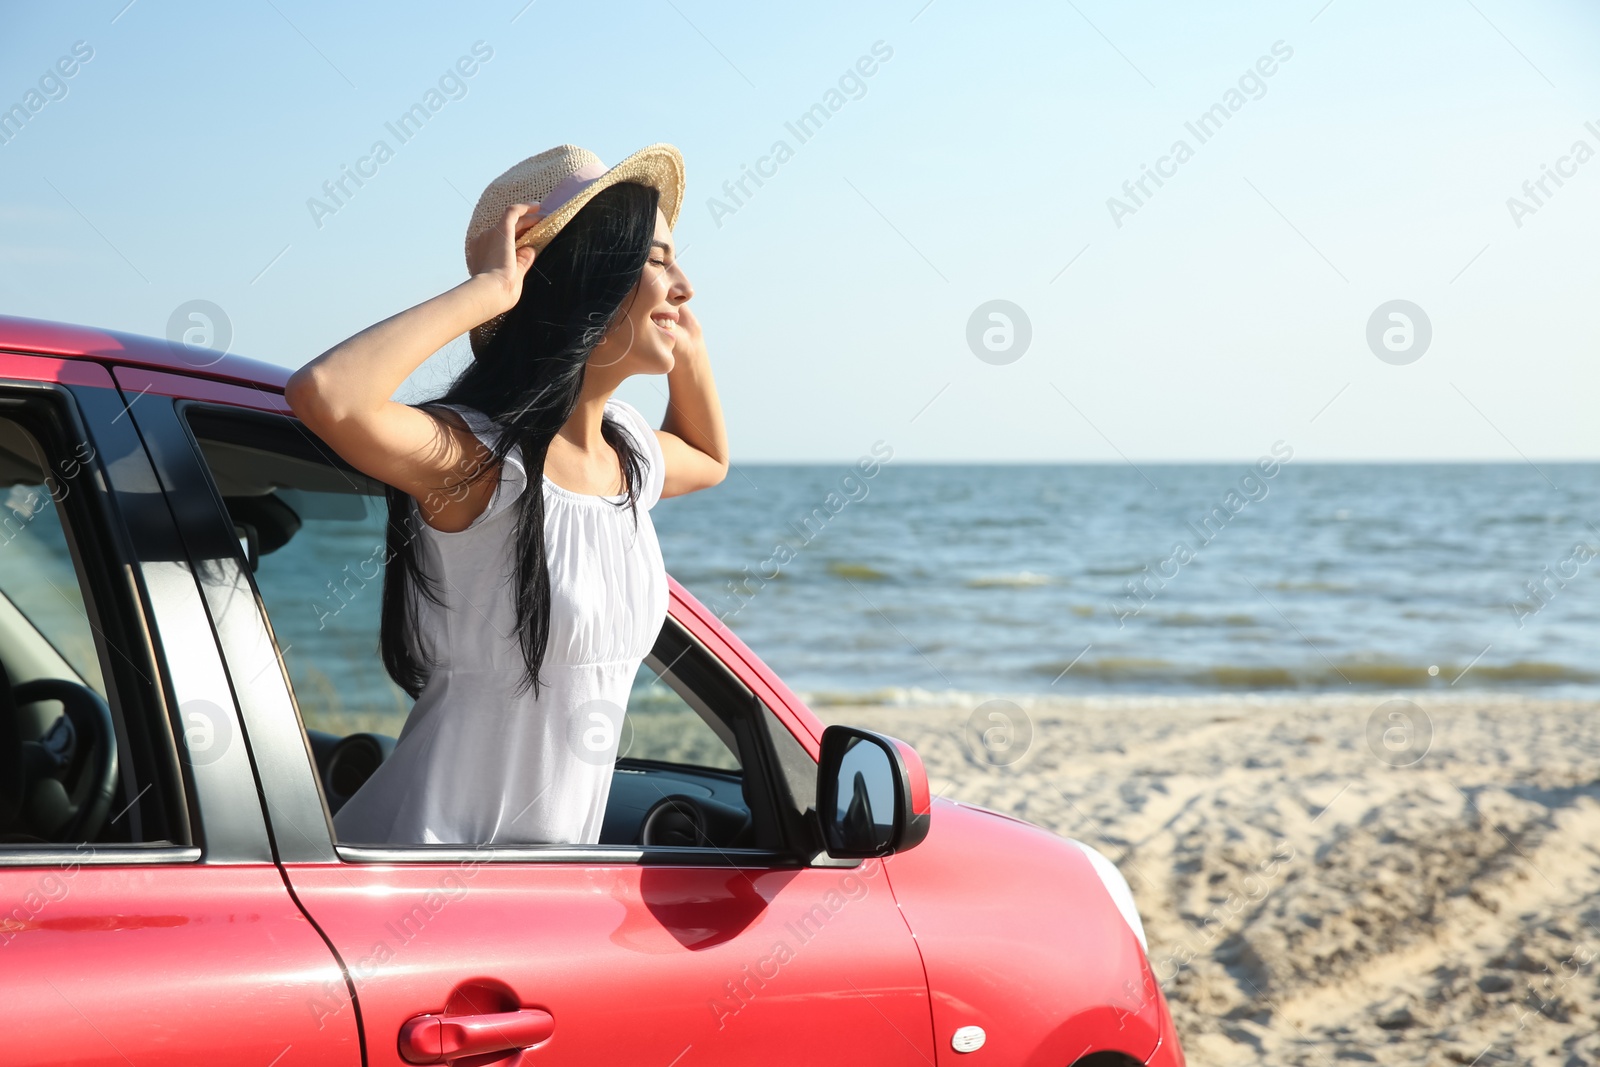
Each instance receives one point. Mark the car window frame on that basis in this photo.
(298, 794)
(691, 699)
(63, 414)
(244, 822)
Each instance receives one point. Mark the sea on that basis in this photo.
(887, 582)
(912, 580)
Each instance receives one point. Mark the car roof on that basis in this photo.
(40, 337)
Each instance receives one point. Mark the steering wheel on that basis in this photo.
(684, 821)
(70, 774)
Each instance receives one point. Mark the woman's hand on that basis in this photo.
(693, 438)
(688, 340)
(346, 395)
(493, 256)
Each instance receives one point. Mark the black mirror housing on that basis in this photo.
(872, 794)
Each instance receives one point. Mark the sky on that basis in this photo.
(951, 264)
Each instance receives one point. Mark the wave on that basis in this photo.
(1115, 569)
(1524, 671)
(897, 696)
(1112, 668)
(1135, 670)
(1017, 580)
(856, 572)
(1187, 618)
(1525, 518)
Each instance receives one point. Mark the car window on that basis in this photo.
(39, 583)
(312, 534)
(65, 778)
(663, 724)
(315, 534)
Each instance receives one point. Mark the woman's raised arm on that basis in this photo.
(345, 394)
(693, 438)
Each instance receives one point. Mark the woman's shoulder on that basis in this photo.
(646, 443)
(477, 421)
(621, 409)
(633, 420)
(512, 476)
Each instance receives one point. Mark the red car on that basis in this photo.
(188, 628)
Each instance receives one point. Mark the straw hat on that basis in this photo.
(561, 181)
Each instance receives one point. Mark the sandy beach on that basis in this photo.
(1322, 879)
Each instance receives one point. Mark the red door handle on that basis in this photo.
(443, 1038)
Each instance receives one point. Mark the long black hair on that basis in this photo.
(527, 379)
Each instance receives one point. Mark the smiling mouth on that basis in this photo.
(665, 323)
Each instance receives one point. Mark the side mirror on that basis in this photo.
(872, 794)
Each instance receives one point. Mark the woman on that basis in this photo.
(517, 616)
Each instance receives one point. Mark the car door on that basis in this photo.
(686, 950)
(142, 918)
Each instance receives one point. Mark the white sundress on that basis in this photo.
(476, 762)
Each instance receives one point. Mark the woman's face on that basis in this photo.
(641, 339)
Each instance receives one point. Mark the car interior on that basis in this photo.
(58, 745)
(59, 769)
